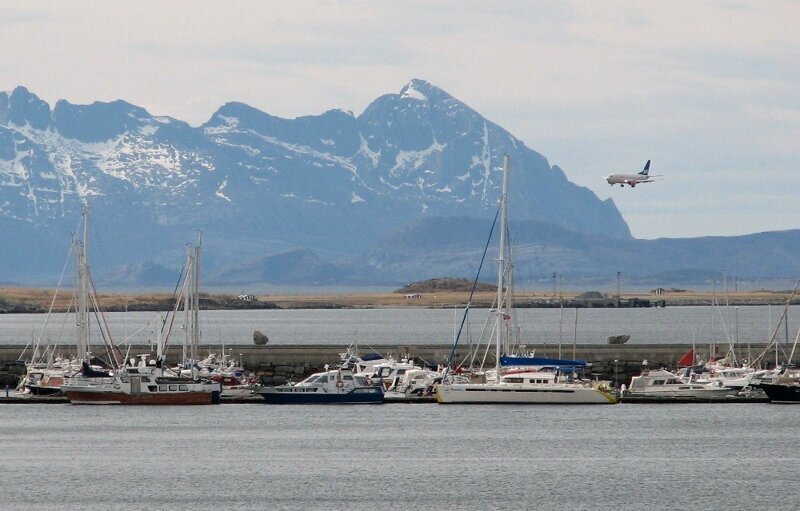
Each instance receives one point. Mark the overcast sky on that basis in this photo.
(709, 90)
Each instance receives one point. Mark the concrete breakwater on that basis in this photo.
(277, 364)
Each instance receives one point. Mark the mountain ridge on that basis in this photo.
(333, 187)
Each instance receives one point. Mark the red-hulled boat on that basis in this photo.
(142, 385)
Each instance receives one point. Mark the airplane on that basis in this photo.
(632, 179)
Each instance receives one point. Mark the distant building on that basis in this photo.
(411, 296)
(246, 298)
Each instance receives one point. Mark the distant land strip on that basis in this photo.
(27, 300)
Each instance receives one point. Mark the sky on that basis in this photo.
(707, 90)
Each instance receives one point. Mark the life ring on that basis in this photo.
(339, 384)
(368, 382)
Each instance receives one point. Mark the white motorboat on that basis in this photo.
(336, 386)
(665, 384)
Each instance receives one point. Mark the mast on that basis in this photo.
(196, 311)
(82, 248)
(191, 304)
(501, 264)
(187, 307)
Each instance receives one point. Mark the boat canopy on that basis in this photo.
(540, 361)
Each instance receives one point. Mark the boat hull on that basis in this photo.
(37, 390)
(781, 393)
(511, 394)
(284, 396)
(710, 393)
(79, 397)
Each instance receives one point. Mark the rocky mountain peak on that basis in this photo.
(25, 108)
(99, 121)
(255, 182)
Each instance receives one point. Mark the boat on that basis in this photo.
(335, 386)
(529, 385)
(46, 378)
(665, 384)
(143, 384)
(545, 382)
(783, 393)
(48, 371)
(218, 368)
(727, 376)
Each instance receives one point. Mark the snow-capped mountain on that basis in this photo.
(258, 184)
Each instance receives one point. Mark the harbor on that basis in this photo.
(284, 364)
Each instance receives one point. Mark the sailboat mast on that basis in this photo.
(196, 311)
(501, 266)
(83, 289)
(187, 306)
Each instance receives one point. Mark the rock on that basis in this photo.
(259, 338)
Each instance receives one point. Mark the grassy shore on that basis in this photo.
(21, 300)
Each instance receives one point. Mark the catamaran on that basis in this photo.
(548, 382)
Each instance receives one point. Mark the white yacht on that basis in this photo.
(527, 386)
(665, 384)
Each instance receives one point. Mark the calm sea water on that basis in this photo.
(392, 457)
(431, 326)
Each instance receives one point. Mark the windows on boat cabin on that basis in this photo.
(672, 381)
(519, 379)
(173, 388)
(386, 372)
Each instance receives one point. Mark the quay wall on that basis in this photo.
(276, 364)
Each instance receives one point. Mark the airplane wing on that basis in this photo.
(650, 179)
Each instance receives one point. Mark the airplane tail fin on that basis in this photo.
(646, 169)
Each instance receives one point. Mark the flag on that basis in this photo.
(687, 360)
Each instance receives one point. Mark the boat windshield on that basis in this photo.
(314, 378)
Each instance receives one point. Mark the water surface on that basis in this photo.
(393, 457)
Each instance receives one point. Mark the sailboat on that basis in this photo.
(537, 384)
(48, 371)
(142, 381)
(235, 384)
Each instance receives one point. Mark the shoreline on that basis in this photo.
(38, 301)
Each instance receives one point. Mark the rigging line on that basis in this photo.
(472, 292)
(782, 318)
(378, 352)
(52, 304)
(109, 342)
(125, 341)
(174, 292)
(486, 326)
(66, 315)
(178, 302)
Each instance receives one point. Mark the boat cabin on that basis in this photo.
(529, 377)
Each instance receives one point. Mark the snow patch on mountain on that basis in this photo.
(412, 93)
(220, 191)
(412, 160)
(365, 151)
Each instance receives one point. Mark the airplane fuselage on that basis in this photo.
(627, 179)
